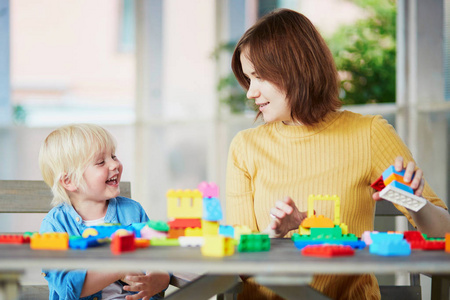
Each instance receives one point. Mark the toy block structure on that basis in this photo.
(327, 250)
(254, 243)
(397, 190)
(164, 242)
(316, 230)
(191, 241)
(217, 246)
(390, 248)
(50, 241)
(184, 204)
(226, 230)
(81, 243)
(122, 242)
(208, 190)
(420, 241)
(14, 239)
(212, 210)
(447, 242)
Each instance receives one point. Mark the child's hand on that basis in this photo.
(417, 184)
(285, 217)
(146, 285)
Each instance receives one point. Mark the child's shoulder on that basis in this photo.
(124, 201)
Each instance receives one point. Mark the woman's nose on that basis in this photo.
(252, 92)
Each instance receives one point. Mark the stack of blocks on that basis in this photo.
(393, 188)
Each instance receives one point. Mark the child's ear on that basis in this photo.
(66, 182)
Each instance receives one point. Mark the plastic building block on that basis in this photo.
(208, 190)
(175, 233)
(328, 250)
(254, 243)
(210, 228)
(447, 242)
(366, 237)
(240, 230)
(354, 244)
(378, 184)
(79, 242)
(158, 225)
(150, 233)
(391, 170)
(122, 242)
(337, 206)
(226, 230)
(418, 240)
(14, 239)
(164, 242)
(377, 237)
(50, 241)
(193, 232)
(390, 248)
(88, 232)
(184, 223)
(395, 177)
(184, 204)
(403, 198)
(191, 241)
(211, 209)
(217, 246)
(141, 243)
(319, 221)
(401, 186)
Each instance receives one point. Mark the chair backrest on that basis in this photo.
(33, 196)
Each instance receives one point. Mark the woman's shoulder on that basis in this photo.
(350, 117)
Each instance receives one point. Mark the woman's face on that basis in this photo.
(271, 101)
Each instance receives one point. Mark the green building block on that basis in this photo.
(254, 243)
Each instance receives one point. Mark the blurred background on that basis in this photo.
(157, 75)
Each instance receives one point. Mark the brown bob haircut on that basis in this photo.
(286, 49)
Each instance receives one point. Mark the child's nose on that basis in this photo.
(114, 164)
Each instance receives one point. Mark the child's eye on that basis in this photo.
(101, 163)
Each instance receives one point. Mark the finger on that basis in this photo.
(134, 288)
(134, 297)
(398, 164)
(409, 171)
(419, 191)
(284, 207)
(376, 196)
(134, 278)
(417, 180)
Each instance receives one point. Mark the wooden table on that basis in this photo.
(283, 261)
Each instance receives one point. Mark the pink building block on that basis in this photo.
(208, 190)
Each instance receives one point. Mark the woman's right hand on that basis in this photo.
(285, 217)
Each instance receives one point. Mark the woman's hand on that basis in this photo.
(285, 217)
(417, 183)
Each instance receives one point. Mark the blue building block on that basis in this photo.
(391, 170)
(226, 230)
(354, 244)
(391, 248)
(211, 209)
(378, 237)
(78, 242)
(402, 186)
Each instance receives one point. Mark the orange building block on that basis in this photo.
(447, 242)
(320, 221)
(395, 177)
(50, 241)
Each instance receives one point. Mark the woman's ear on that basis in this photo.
(67, 183)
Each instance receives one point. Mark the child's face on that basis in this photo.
(102, 177)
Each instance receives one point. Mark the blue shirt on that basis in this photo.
(65, 284)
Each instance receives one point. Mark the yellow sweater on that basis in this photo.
(341, 156)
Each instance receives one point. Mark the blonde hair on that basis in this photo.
(66, 152)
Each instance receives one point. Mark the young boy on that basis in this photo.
(78, 162)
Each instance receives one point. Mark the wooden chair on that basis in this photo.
(407, 292)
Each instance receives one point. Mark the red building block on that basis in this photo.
(184, 223)
(378, 184)
(328, 250)
(122, 243)
(14, 239)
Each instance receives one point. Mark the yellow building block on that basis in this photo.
(337, 206)
(217, 246)
(193, 231)
(210, 227)
(241, 229)
(50, 241)
(184, 204)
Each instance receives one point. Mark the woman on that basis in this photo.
(307, 146)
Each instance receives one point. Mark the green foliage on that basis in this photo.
(365, 54)
(19, 114)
